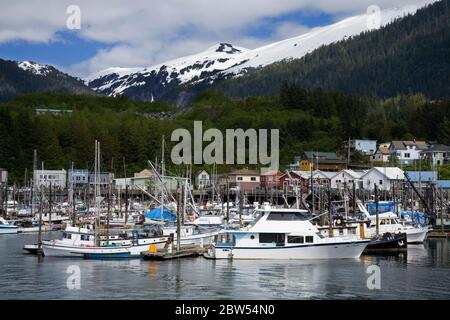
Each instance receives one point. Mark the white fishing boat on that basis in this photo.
(7, 228)
(388, 222)
(192, 235)
(284, 234)
(77, 241)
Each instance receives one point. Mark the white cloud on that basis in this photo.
(145, 32)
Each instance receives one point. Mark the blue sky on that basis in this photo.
(146, 32)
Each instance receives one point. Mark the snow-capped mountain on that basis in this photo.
(226, 60)
(20, 77)
(35, 68)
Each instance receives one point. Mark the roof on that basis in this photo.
(351, 173)
(416, 176)
(392, 173)
(325, 174)
(383, 149)
(200, 172)
(302, 174)
(244, 172)
(272, 173)
(437, 148)
(403, 144)
(322, 156)
(444, 184)
(144, 173)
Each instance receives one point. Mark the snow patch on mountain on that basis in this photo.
(35, 68)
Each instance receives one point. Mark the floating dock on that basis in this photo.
(438, 234)
(167, 255)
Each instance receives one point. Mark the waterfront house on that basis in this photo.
(437, 154)
(383, 178)
(57, 178)
(407, 151)
(244, 179)
(271, 180)
(347, 178)
(202, 180)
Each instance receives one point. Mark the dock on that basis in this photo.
(438, 234)
(166, 255)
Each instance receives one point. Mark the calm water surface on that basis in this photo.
(422, 273)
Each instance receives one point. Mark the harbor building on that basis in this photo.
(383, 177)
(57, 178)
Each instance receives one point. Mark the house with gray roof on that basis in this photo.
(437, 154)
(407, 152)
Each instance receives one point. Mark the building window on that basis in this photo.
(407, 155)
(239, 178)
(253, 178)
(381, 182)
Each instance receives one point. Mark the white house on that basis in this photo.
(407, 151)
(57, 178)
(383, 177)
(347, 177)
(202, 180)
(367, 147)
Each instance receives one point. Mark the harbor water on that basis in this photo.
(421, 273)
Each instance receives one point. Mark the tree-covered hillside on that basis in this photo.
(131, 134)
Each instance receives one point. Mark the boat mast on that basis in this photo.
(162, 181)
(96, 192)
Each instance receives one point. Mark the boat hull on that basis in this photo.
(8, 229)
(417, 235)
(394, 243)
(55, 250)
(318, 251)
